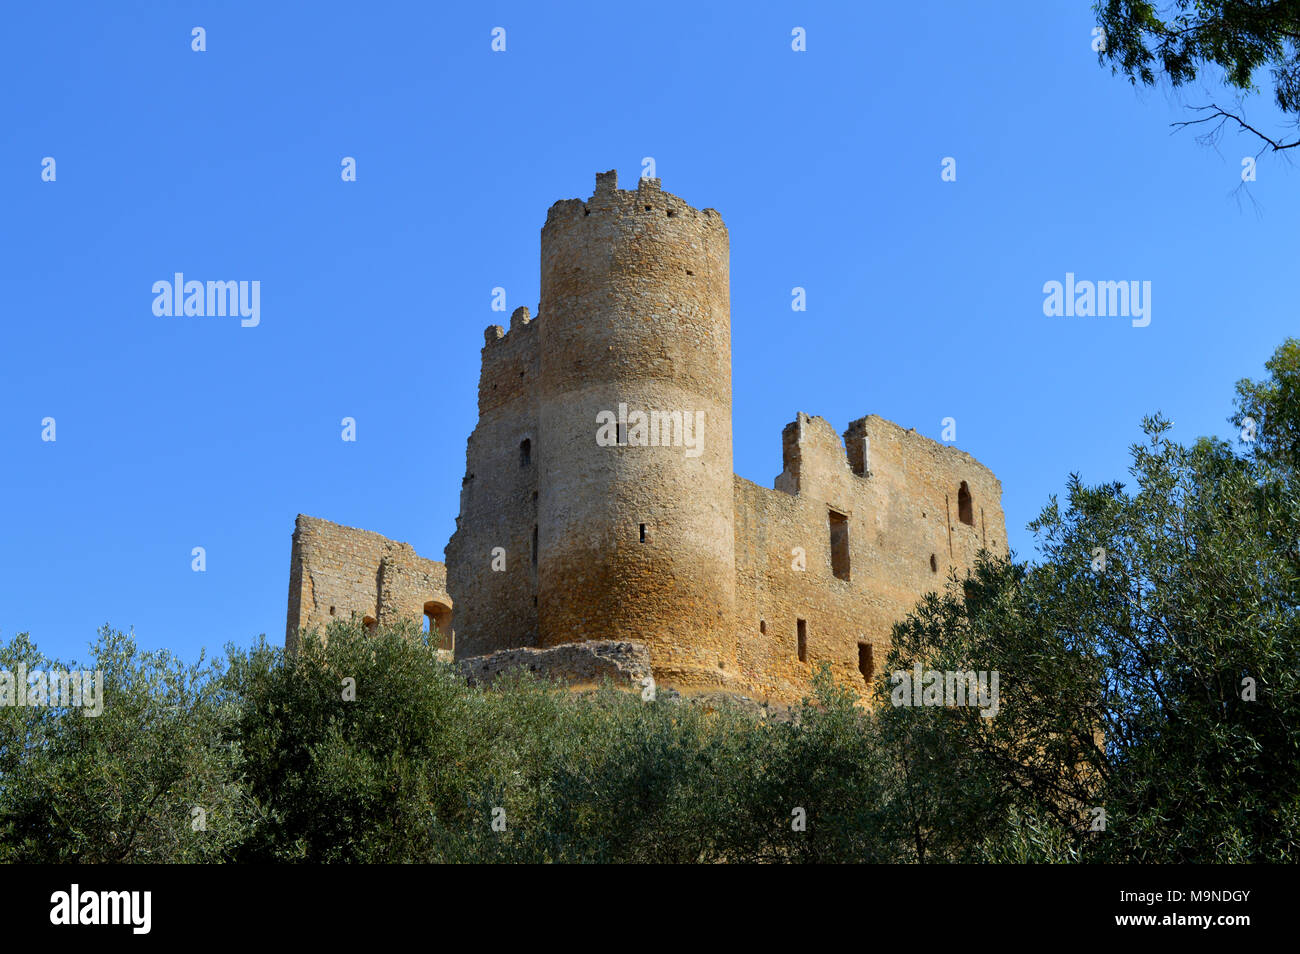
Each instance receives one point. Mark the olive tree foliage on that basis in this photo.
(1150, 709)
(366, 747)
(148, 779)
(673, 782)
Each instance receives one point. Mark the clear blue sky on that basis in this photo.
(924, 297)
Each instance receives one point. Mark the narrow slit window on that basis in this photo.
(839, 525)
(643, 533)
(866, 662)
(525, 452)
(802, 630)
(534, 544)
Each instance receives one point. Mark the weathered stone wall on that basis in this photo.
(340, 572)
(578, 664)
(637, 542)
(898, 500)
(498, 499)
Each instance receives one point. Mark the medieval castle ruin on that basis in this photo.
(599, 501)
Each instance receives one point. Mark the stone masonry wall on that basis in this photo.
(903, 539)
(340, 572)
(498, 499)
(578, 664)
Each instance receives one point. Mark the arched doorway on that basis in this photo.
(437, 619)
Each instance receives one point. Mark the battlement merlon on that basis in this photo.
(647, 199)
(519, 318)
(508, 363)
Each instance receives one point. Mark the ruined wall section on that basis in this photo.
(338, 572)
(498, 500)
(636, 306)
(893, 494)
(923, 474)
(580, 665)
(411, 587)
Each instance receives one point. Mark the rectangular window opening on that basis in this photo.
(643, 533)
(802, 627)
(839, 524)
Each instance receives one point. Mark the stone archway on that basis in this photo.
(437, 619)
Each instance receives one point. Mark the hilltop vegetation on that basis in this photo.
(1148, 712)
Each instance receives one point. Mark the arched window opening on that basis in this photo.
(965, 511)
(437, 619)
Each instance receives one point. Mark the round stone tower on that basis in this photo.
(636, 526)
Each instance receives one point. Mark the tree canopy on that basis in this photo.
(1147, 40)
